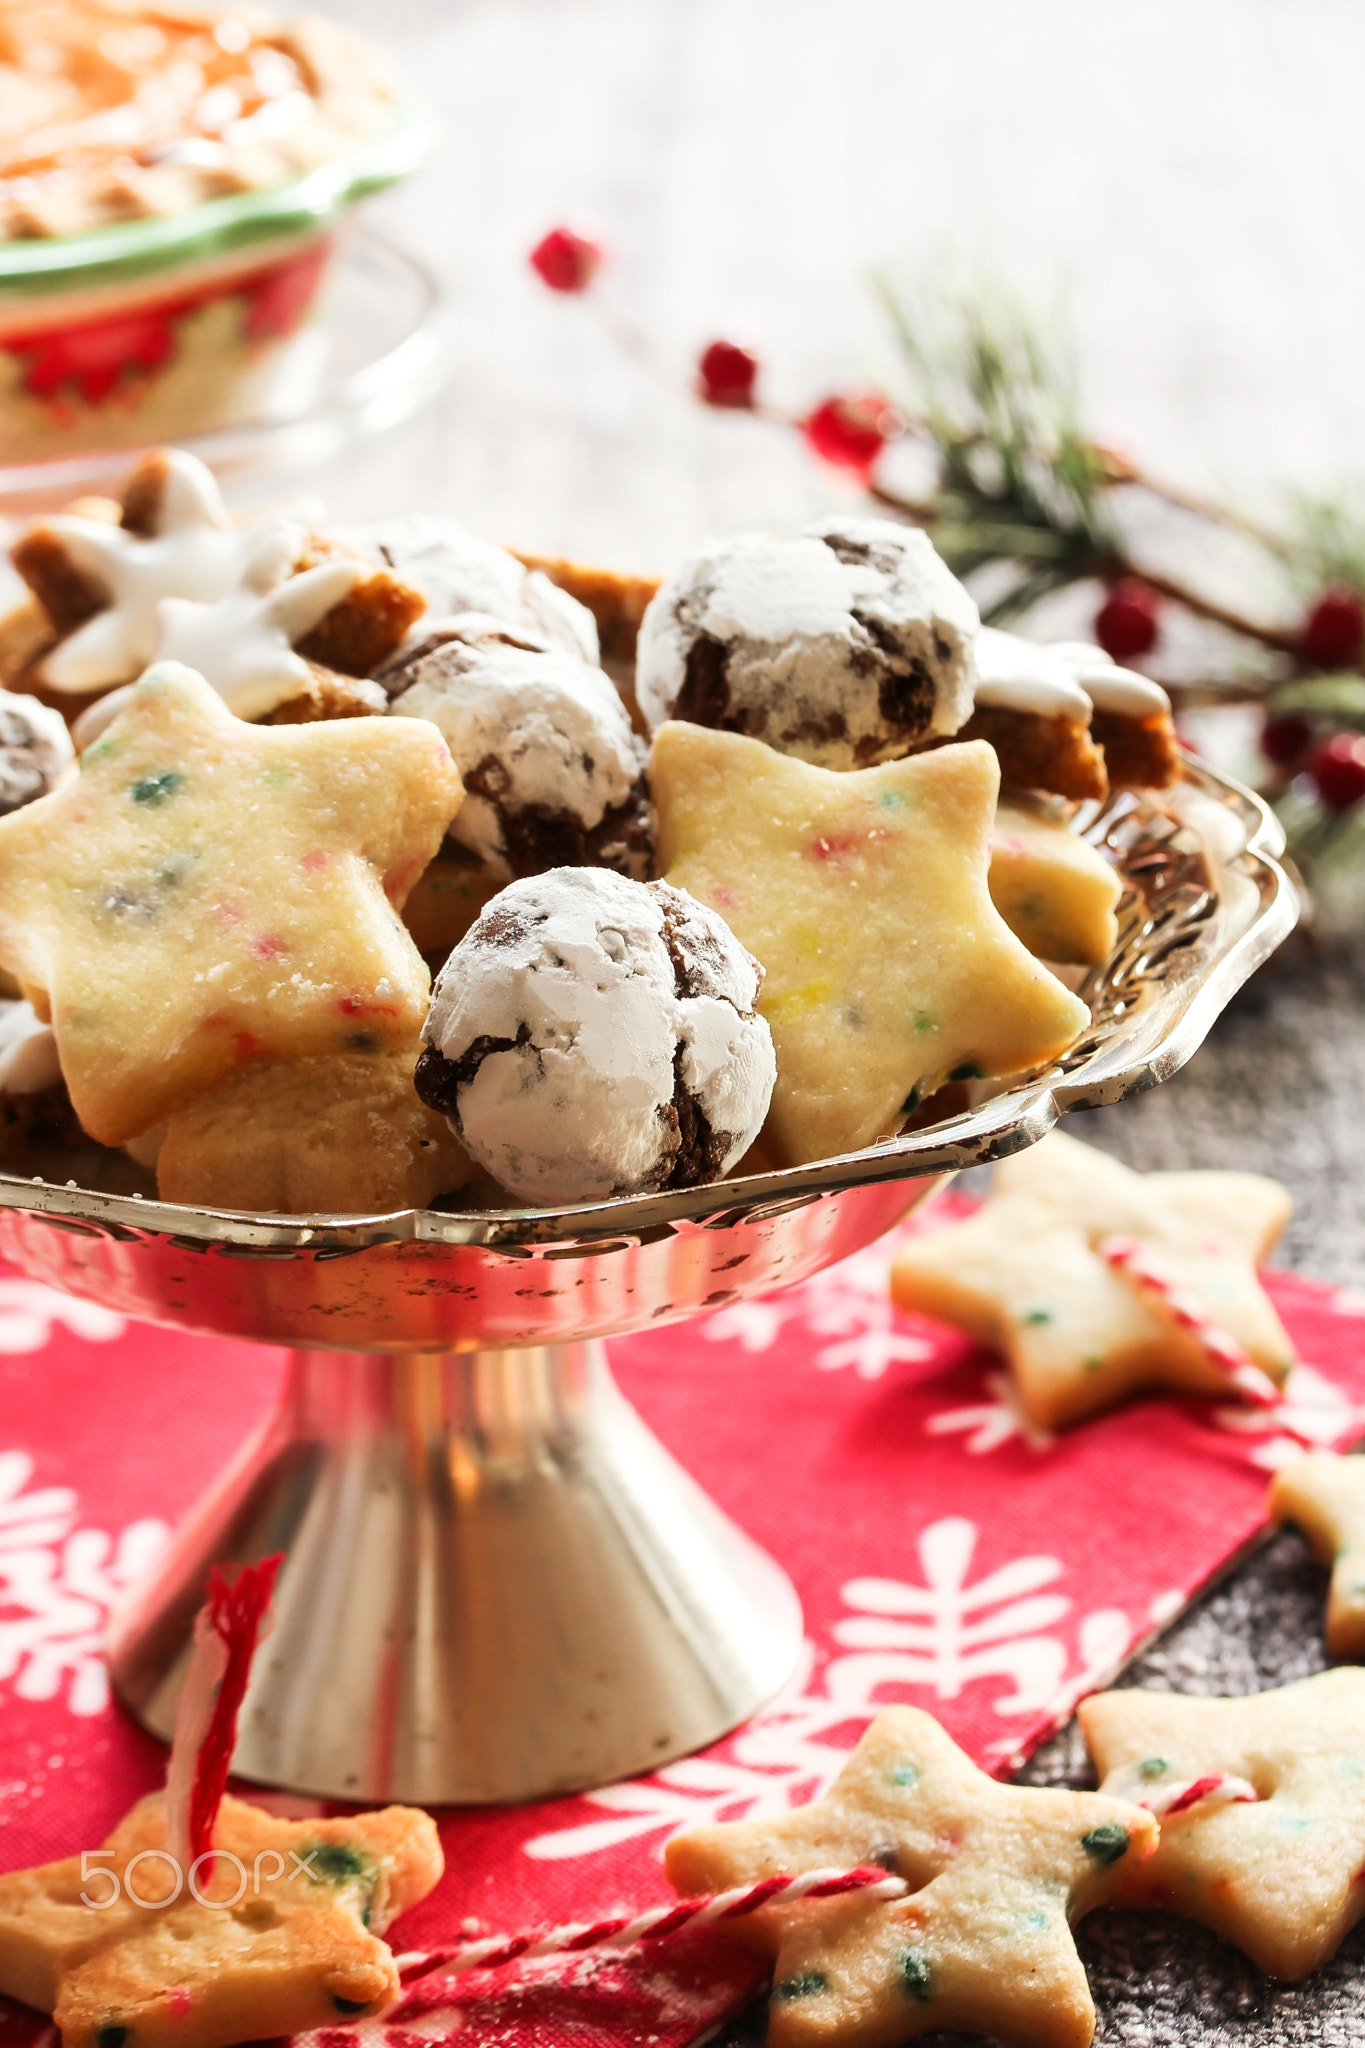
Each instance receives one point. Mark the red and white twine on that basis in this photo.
(624, 1930)
(1126, 1255)
(1219, 1788)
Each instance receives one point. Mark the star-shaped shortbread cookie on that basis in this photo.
(1280, 1875)
(208, 892)
(288, 1940)
(888, 968)
(1026, 1274)
(984, 1940)
(1054, 890)
(1324, 1496)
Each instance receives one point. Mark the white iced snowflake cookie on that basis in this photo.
(845, 644)
(593, 1036)
(457, 572)
(553, 774)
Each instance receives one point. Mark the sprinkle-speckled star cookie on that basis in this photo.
(1324, 1496)
(984, 1940)
(286, 1939)
(1054, 890)
(208, 892)
(864, 894)
(1044, 1273)
(1278, 1873)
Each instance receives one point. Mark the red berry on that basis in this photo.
(1128, 622)
(565, 261)
(851, 432)
(1335, 627)
(1338, 768)
(1286, 740)
(727, 374)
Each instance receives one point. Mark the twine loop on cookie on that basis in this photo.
(1126, 1255)
(1218, 1787)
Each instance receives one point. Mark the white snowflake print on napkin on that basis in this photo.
(57, 1585)
(996, 1420)
(1314, 1408)
(929, 1642)
(28, 1311)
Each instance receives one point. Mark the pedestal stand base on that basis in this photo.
(497, 1585)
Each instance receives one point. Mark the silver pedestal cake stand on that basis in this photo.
(497, 1585)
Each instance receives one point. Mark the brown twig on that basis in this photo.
(1111, 566)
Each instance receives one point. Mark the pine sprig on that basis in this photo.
(1021, 483)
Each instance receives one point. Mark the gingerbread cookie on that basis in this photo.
(283, 1937)
(1263, 1834)
(1046, 1272)
(1054, 890)
(844, 645)
(983, 1942)
(1324, 1497)
(864, 895)
(1063, 717)
(171, 575)
(208, 892)
(341, 1134)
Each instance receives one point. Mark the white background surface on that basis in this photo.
(1185, 177)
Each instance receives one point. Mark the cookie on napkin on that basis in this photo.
(1038, 1273)
(983, 1941)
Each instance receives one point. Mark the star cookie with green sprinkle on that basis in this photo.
(1324, 1496)
(983, 1941)
(1280, 1874)
(284, 1937)
(1028, 1275)
(888, 969)
(207, 893)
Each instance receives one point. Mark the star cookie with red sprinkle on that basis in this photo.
(1279, 1868)
(983, 1941)
(1096, 1282)
(888, 969)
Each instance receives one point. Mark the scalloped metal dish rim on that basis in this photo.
(216, 227)
(1006, 1123)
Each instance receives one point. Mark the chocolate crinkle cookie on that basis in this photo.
(845, 644)
(553, 774)
(35, 750)
(458, 573)
(594, 1036)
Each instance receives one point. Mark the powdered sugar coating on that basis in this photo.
(549, 761)
(845, 644)
(457, 572)
(35, 750)
(593, 1036)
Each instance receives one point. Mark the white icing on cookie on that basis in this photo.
(537, 732)
(1118, 690)
(844, 645)
(1020, 675)
(243, 644)
(576, 1012)
(456, 571)
(28, 1052)
(196, 554)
